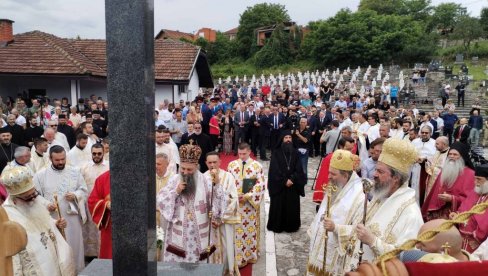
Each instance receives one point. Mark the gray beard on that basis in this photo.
(380, 190)
(450, 171)
(191, 187)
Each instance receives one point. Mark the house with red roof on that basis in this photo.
(41, 64)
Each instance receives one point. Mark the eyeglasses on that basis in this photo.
(29, 198)
(53, 125)
(424, 133)
(97, 153)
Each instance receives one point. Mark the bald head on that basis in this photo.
(49, 134)
(442, 143)
(452, 237)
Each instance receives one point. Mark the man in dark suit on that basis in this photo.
(312, 124)
(15, 130)
(277, 123)
(67, 130)
(322, 125)
(254, 130)
(461, 133)
(250, 110)
(264, 132)
(32, 132)
(241, 125)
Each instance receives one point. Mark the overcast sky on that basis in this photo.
(69, 18)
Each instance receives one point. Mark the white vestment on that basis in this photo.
(47, 253)
(168, 150)
(49, 182)
(373, 133)
(425, 150)
(38, 162)
(91, 240)
(61, 138)
(77, 157)
(225, 234)
(433, 167)
(186, 237)
(396, 133)
(345, 205)
(393, 221)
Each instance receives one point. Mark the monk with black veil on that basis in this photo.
(286, 182)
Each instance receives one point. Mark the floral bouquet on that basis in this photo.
(160, 241)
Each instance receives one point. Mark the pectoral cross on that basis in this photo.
(446, 247)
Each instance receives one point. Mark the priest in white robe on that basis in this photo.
(68, 184)
(46, 253)
(347, 199)
(185, 203)
(80, 154)
(434, 165)
(90, 172)
(39, 157)
(224, 235)
(426, 148)
(163, 145)
(393, 215)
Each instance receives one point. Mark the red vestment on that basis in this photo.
(322, 179)
(434, 208)
(97, 203)
(475, 231)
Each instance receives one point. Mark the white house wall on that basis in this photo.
(163, 92)
(55, 87)
(193, 87)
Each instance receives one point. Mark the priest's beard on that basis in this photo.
(380, 189)
(483, 189)
(191, 184)
(339, 187)
(288, 147)
(35, 212)
(451, 170)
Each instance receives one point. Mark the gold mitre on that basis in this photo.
(190, 153)
(342, 160)
(398, 154)
(17, 180)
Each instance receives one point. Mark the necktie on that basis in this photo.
(243, 164)
(460, 131)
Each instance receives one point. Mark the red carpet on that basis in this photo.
(226, 159)
(246, 271)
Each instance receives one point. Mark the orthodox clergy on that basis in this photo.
(39, 157)
(7, 147)
(47, 253)
(91, 172)
(80, 154)
(185, 203)
(346, 143)
(426, 148)
(286, 181)
(162, 177)
(163, 146)
(67, 183)
(100, 206)
(250, 185)
(203, 141)
(434, 165)
(475, 231)
(347, 198)
(452, 186)
(393, 215)
(224, 235)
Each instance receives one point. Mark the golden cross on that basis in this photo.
(446, 247)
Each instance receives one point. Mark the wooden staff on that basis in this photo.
(367, 185)
(330, 189)
(56, 203)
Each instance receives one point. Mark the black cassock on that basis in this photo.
(203, 141)
(284, 211)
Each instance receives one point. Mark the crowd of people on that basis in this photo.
(55, 164)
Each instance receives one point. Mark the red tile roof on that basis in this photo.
(231, 31)
(175, 35)
(41, 53)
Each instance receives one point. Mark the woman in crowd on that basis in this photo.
(226, 125)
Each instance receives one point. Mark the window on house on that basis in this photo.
(181, 88)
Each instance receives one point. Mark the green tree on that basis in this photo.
(418, 9)
(254, 17)
(467, 29)
(276, 50)
(484, 20)
(445, 17)
(220, 50)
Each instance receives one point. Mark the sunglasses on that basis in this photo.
(29, 198)
(53, 125)
(97, 153)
